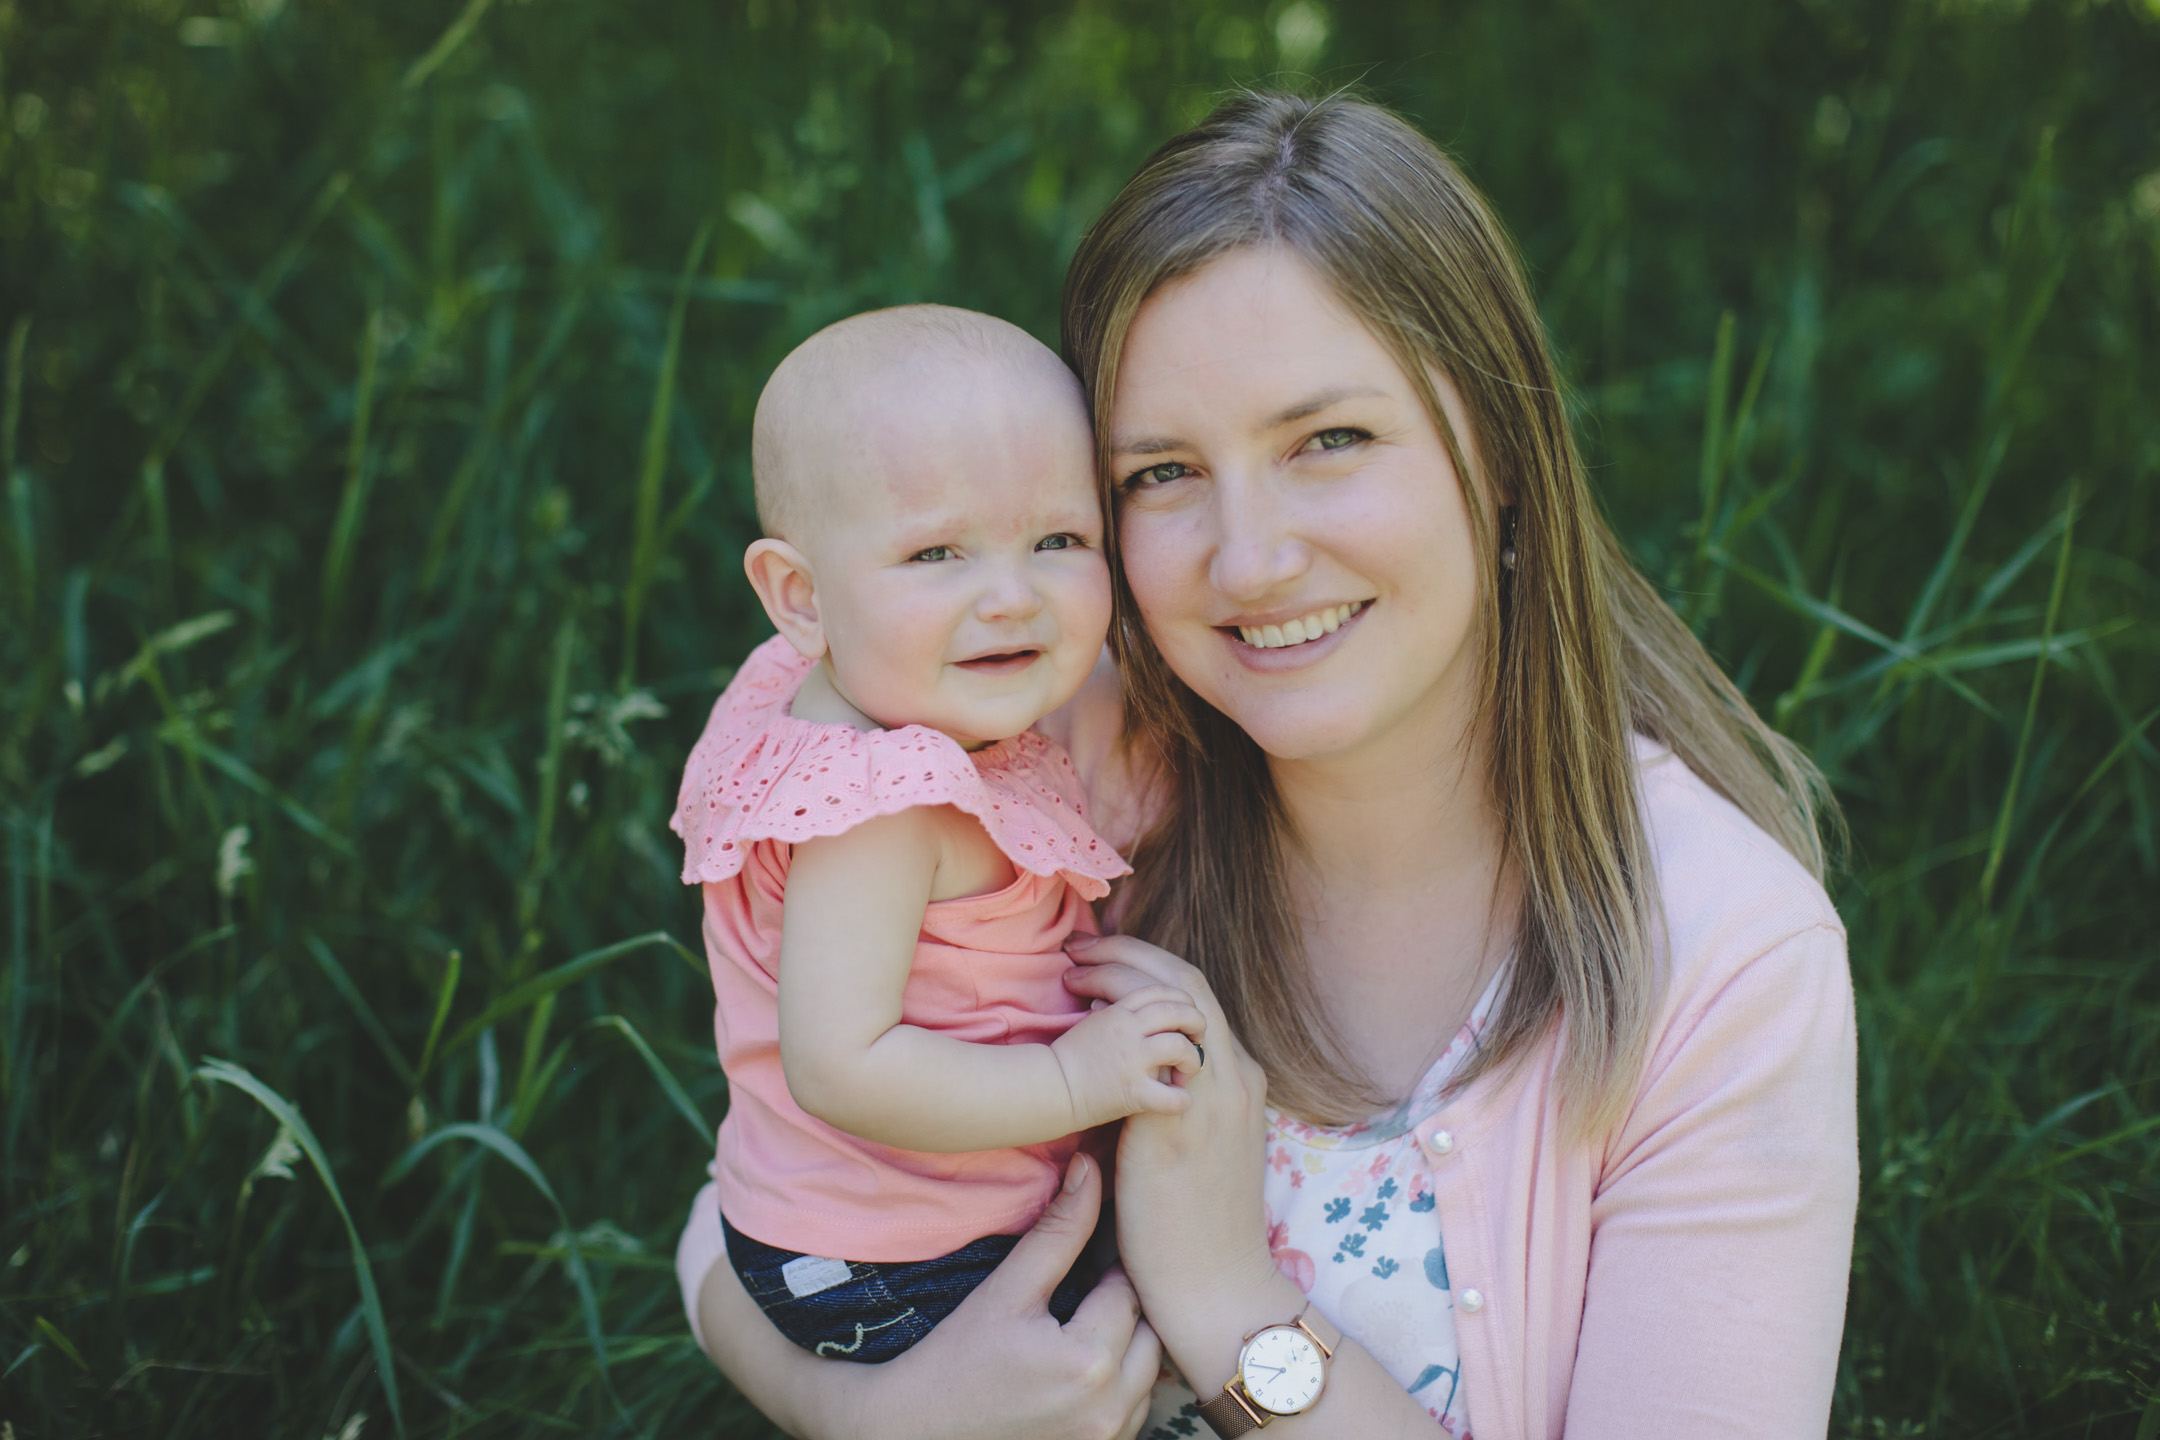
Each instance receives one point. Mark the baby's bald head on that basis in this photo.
(828, 404)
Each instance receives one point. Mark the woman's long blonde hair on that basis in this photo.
(1579, 650)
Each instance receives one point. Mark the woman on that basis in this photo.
(1509, 901)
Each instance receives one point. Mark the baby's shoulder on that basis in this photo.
(760, 773)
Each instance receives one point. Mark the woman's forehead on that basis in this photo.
(1256, 337)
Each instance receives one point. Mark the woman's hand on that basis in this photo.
(998, 1367)
(1192, 1227)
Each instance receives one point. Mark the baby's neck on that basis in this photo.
(820, 699)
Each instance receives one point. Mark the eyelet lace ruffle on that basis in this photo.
(758, 773)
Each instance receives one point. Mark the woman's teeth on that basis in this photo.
(1300, 630)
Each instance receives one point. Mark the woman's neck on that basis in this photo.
(1403, 899)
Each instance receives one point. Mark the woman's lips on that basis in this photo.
(1324, 621)
(1290, 655)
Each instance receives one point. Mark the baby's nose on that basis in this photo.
(1009, 596)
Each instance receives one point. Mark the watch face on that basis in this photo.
(1282, 1369)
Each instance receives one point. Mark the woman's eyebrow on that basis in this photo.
(1307, 408)
(1302, 410)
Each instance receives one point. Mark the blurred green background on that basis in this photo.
(376, 400)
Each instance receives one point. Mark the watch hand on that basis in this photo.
(1256, 1365)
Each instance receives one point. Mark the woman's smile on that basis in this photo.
(1304, 639)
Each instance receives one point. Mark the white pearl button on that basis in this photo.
(1471, 1301)
(1443, 1142)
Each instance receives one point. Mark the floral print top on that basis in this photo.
(1351, 1220)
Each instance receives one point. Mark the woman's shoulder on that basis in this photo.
(1122, 794)
(1730, 894)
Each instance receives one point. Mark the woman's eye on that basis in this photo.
(1060, 542)
(1340, 438)
(1161, 474)
(933, 554)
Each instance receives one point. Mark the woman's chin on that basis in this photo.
(1289, 733)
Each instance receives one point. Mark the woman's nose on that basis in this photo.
(1256, 551)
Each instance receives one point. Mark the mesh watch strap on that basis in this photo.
(1229, 1414)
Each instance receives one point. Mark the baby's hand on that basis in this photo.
(1115, 1057)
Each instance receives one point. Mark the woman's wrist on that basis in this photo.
(1204, 1324)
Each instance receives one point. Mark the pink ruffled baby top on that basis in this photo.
(988, 968)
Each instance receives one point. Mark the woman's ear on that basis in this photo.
(788, 590)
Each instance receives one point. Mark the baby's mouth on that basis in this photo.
(1301, 630)
(1004, 662)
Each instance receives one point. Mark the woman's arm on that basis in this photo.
(1722, 1227)
(854, 908)
(998, 1368)
(1192, 1228)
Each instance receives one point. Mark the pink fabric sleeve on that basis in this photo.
(1722, 1227)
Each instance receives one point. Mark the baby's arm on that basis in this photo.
(854, 908)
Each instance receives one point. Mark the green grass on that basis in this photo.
(376, 398)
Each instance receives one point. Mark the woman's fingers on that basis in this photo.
(1170, 1012)
(1108, 1312)
(1142, 1363)
(1150, 960)
(1108, 982)
(1024, 1279)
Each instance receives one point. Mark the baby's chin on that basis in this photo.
(978, 724)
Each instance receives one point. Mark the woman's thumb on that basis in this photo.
(1025, 1278)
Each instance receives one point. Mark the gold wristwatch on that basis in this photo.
(1281, 1371)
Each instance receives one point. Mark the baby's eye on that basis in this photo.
(932, 555)
(1063, 541)
(1339, 438)
(1161, 474)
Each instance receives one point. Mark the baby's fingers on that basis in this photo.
(1170, 1050)
(1156, 1098)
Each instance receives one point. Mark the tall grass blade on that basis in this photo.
(25, 542)
(669, 1085)
(2003, 817)
(352, 503)
(550, 981)
(558, 707)
(11, 414)
(446, 46)
(443, 997)
(267, 284)
(61, 1343)
(652, 465)
(509, 1149)
(362, 1011)
(1975, 496)
(224, 1072)
(183, 736)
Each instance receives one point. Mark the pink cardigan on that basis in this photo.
(1687, 1278)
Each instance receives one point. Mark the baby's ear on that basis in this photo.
(785, 587)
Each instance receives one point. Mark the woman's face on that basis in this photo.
(1292, 528)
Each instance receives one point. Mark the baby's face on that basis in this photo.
(959, 569)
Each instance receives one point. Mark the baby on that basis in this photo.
(892, 860)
